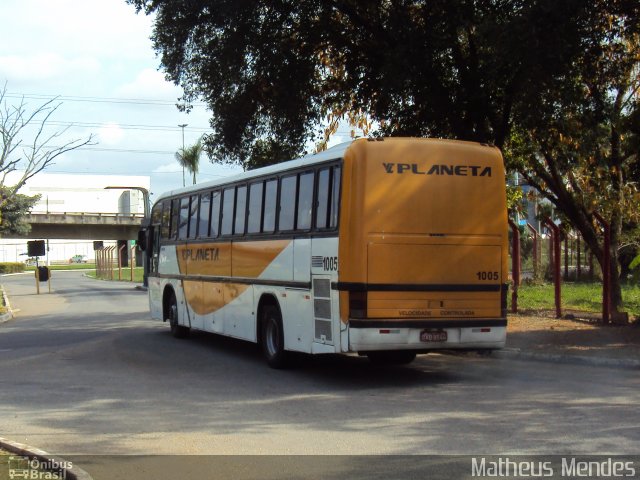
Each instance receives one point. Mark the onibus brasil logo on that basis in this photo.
(26, 468)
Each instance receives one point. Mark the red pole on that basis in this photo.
(515, 264)
(122, 247)
(606, 268)
(99, 263)
(578, 266)
(132, 256)
(555, 235)
(111, 250)
(566, 256)
(534, 232)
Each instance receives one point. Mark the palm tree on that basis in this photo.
(189, 158)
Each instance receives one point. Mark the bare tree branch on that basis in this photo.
(38, 153)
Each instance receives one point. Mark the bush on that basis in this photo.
(11, 267)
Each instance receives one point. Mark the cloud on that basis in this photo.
(46, 66)
(149, 83)
(110, 134)
(84, 27)
(168, 168)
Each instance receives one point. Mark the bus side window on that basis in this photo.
(204, 215)
(193, 215)
(165, 220)
(156, 214)
(287, 203)
(255, 207)
(335, 198)
(175, 217)
(215, 214)
(183, 229)
(305, 201)
(228, 199)
(322, 199)
(241, 210)
(270, 199)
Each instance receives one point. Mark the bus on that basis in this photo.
(385, 247)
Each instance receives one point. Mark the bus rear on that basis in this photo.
(422, 247)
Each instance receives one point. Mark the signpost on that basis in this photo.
(36, 248)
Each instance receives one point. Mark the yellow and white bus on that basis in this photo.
(386, 247)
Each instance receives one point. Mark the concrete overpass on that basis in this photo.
(82, 226)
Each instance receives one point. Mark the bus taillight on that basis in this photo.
(357, 304)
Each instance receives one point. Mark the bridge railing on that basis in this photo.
(93, 214)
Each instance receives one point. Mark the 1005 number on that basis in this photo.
(330, 264)
(483, 276)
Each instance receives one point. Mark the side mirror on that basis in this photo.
(142, 239)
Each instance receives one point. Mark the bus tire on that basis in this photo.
(392, 357)
(272, 340)
(177, 330)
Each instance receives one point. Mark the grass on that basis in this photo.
(126, 275)
(65, 266)
(91, 271)
(575, 296)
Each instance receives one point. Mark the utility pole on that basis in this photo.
(182, 127)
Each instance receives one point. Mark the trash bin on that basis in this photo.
(43, 274)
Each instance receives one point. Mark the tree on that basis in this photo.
(579, 148)
(189, 158)
(14, 207)
(26, 153)
(268, 152)
(275, 69)
(496, 71)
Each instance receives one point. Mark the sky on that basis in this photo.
(97, 58)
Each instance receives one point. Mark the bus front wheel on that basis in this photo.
(177, 330)
(273, 337)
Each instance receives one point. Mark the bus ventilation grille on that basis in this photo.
(322, 309)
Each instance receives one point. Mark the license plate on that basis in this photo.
(433, 336)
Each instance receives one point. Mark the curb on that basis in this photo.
(72, 473)
(5, 317)
(517, 354)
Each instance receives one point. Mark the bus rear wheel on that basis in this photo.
(392, 357)
(177, 330)
(272, 338)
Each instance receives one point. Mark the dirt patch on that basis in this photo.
(527, 322)
(585, 336)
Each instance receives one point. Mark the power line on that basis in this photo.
(117, 100)
(122, 150)
(145, 173)
(124, 126)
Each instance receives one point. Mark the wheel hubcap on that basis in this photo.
(272, 337)
(173, 310)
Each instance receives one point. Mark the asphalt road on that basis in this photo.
(84, 370)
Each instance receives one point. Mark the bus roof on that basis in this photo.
(334, 153)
